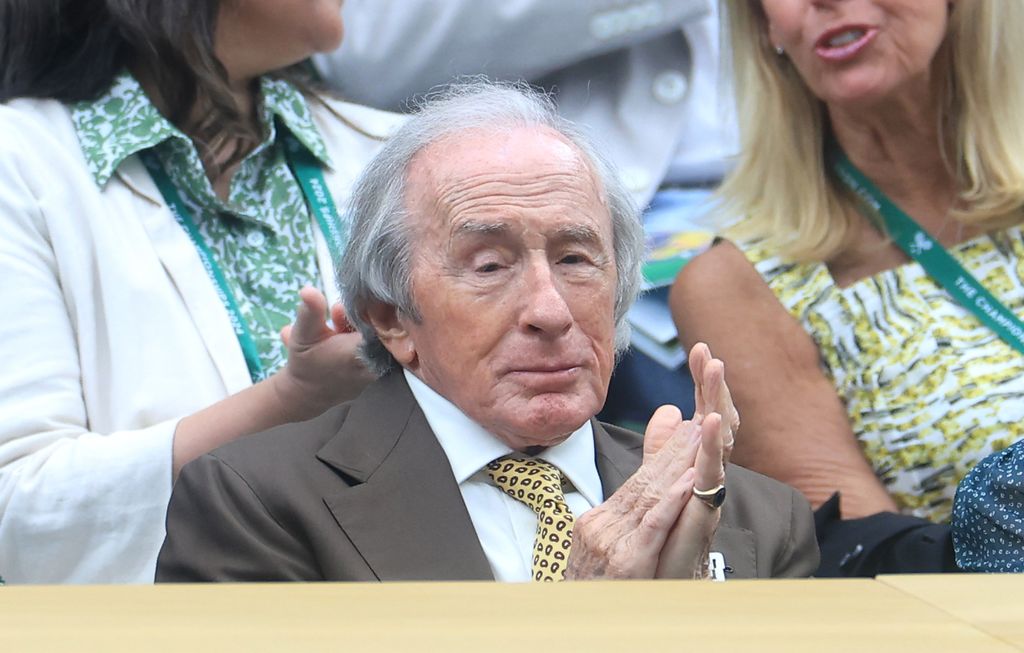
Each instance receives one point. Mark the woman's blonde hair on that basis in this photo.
(781, 187)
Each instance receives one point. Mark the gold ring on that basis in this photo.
(713, 498)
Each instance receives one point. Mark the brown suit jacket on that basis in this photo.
(364, 492)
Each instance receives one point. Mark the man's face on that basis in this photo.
(514, 277)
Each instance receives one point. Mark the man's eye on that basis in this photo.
(573, 259)
(489, 267)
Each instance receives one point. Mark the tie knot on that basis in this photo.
(533, 481)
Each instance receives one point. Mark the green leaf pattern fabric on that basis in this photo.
(262, 236)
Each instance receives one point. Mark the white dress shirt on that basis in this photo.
(505, 526)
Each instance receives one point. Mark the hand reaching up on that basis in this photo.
(323, 369)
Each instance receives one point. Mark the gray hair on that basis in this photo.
(377, 264)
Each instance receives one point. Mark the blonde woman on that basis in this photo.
(856, 364)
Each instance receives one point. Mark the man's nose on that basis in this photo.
(545, 309)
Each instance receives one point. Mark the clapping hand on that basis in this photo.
(653, 526)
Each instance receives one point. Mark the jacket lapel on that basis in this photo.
(404, 512)
(195, 288)
(616, 459)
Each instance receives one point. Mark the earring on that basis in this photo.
(779, 50)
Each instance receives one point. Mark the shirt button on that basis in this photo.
(635, 179)
(670, 87)
(255, 239)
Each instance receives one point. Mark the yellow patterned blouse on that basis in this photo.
(929, 390)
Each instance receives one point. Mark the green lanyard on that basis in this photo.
(307, 170)
(932, 256)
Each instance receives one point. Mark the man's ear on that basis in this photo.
(392, 331)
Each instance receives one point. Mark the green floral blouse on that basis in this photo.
(262, 237)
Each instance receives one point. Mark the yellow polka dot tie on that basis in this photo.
(538, 484)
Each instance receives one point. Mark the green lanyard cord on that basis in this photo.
(308, 171)
(931, 255)
(314, 188)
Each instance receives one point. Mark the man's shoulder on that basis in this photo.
(289, 446)
(319, 446)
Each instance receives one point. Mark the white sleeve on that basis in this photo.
(395, 49)
(75, 506)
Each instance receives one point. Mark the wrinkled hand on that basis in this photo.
(686, 549)
(651, 527)
(711, 395)
(624, 536)
(685, 554)
(323, 369)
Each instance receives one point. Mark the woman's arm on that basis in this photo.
(322, 371)
(794, 426)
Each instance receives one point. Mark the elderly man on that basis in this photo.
(493, 256)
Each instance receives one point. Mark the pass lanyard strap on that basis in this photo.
(314, 188)
(932, 256)
(308, 171)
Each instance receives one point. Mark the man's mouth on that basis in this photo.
(551, 374)
(547, 369)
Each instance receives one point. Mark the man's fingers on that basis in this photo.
(627, 535)
(712, 382)
(710, 465)
(641, 514)
(660, 469)
(656, 524)
(665, 422)
(685, 552)
(720, 401)
(700, 354)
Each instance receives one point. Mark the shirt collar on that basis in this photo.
(123, 121)
(283, 101)
(118, 124)
(469, 447)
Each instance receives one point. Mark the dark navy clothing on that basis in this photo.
(988, 514)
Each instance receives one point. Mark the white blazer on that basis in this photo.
(642, 76)
(111, 332)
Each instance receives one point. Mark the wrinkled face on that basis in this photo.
(257, 36)
(858, 52)
(514, 277)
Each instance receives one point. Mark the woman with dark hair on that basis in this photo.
(168, 184)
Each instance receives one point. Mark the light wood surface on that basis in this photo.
(993, 603)
(702, 617)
